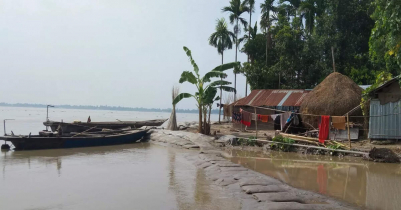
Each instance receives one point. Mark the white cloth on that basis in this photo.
(273, 116)
(254, 116)
(284, 118)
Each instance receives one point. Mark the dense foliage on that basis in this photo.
(299, 38)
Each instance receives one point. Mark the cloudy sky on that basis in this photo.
(103, 52)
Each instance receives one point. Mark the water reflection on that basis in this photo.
(54, 157)
(196, 192)
(366, 184)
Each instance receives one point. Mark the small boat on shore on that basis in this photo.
(85, 139)
(98, 126)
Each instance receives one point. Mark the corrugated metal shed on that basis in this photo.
(385, 120)
(275, 98)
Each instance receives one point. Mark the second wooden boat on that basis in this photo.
(98, 126)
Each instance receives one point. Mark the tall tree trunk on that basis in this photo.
(236, 49)
(249, 37)
(221, 91)
(200, 118)
(267, 38)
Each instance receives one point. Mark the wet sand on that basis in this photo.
(370, 185)
(136, 176)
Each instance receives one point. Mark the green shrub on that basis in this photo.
(283, 147)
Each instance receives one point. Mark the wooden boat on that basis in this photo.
(71, 141)
(83, 126)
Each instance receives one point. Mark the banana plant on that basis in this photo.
(204, 84)
(208, 100)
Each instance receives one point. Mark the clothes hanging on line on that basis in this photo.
(236, 117)
(254, 116)
(338, 122)
(246, 118)
(273, 116)
(263, 118)
(324, 128)
(283, 119)
(227, 110)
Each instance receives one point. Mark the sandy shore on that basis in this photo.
(252, 189)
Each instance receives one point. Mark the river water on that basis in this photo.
(149, 176)
(134, 176)
(370, 185)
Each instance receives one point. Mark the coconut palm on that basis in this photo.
(265, 24)
(236, 9)
(222, 40)
(200, 83)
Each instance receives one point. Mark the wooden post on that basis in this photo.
(332, 55)
(256, 123)
(349, 135)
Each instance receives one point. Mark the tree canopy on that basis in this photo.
(300, 38)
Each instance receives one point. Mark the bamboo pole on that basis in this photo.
(349, 135)
(256, 123)
(311, 139)
(314, 147)
(334, 62)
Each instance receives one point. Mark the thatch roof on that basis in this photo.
(335, 96)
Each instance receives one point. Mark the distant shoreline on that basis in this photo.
(110, 108)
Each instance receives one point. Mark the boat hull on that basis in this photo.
(80, 127)
(37, 143)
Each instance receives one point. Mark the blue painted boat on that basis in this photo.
(89, 140)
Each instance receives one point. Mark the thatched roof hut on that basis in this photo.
(335, 96)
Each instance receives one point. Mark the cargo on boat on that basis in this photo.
(85, 139)
(98, 126)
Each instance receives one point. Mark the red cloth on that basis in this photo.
(246, 118)
(263, 118)
(324, 128)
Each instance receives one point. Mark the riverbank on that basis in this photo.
(361, 147)
(252, 189)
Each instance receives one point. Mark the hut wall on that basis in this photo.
(385, 120)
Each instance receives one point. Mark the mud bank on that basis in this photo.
(254, 190)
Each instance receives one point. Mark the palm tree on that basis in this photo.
(236, 9)
(222, 40)
(308, 11)
(267, 7)
(252, 32)
(200, 83)
(251, 9)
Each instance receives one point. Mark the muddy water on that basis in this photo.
(366, 184)
(136, 176)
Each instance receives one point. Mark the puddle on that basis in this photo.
(365, 184)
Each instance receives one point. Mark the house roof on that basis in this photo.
(272, 97)
(395, 79)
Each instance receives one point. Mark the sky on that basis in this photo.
(100, 52)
